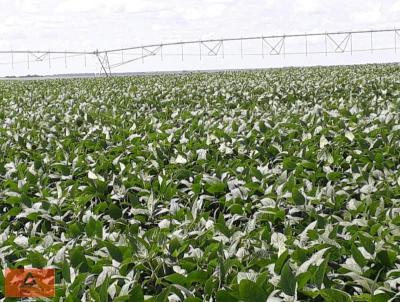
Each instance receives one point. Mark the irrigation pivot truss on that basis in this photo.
(272, 45)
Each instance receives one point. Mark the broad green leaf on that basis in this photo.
(225, 296)
(334, 295)
(216, 187)
(37, 260)
(367, 243)
(91, 227)
(281, 261)
(114, 211)
(136, 294)
(321, 272)
(77, 256)
(66, 275)
(288, 280)
(114, 251)
(251, 292)
(193, 299)
(387, 257)
(176, 279)
(357, 255)
(303, 278)
(298, 197)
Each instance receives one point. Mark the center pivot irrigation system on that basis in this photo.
(273, 45)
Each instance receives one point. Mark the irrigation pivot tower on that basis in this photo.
(273, 45)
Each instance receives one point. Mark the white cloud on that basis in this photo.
(201, 11)
(309, 6)
(78, 6)
(91, 24)
(369, 14)
(396, 6)
(28, 6)
(107, 7)
(142, 6)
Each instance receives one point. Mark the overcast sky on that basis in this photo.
(102, 24)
